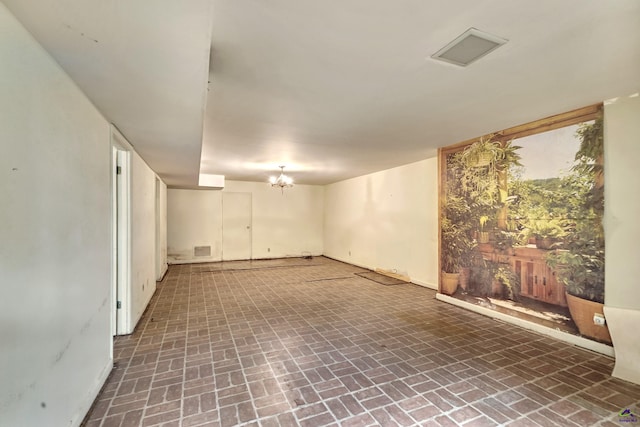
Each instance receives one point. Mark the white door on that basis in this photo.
(121, 231)
(236, 226)
(160, 243)
(115, 196)
(123, 214)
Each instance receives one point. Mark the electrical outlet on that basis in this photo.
(268, 249)
(598, 319)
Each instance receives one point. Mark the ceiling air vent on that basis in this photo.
(470, 46)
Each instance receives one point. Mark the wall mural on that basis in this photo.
(521, 224)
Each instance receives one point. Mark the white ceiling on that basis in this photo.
(332, 90)
(143, 63)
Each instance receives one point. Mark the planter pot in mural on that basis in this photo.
(483, 237)
(485, 247)
(545, 243)
(483, 159)
(582, 312)
(465, 272)
(449, 283)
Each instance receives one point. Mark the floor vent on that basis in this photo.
(202, 250)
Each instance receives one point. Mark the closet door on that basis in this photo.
(236, 226)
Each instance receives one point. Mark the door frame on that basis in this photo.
(249, 226)
(120, 233)
(158, 254)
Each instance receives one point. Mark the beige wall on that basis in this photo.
(386, 220)
(194, 218)
(284, 224)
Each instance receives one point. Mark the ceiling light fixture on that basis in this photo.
(468, 47)
(282, 181)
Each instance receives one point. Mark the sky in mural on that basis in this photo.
(548, 154)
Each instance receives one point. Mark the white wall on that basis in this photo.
(161, 229)
(55, 328)
(622, 202)
(143, 236)
(283, 225)
(386, 220)
(622, 233)
(194, 218)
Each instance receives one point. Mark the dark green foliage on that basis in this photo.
(509, 280)
(581, 266)
(589, 156)
(485, 192)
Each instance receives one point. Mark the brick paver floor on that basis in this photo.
(308, 342)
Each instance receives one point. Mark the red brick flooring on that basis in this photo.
(307, 342)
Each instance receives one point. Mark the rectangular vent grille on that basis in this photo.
(470, 46)
(202, 250)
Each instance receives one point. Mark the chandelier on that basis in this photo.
(282, 181)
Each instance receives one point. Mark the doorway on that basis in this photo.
(236, 226)
(161, 244)
(120, 235)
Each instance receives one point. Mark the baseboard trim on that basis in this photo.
(387, 273)
(424, 284)
(348, 262)
(192, 261)
(165, 270)
(588, 344)
(87, 404)
(393, 275)
(205, 260)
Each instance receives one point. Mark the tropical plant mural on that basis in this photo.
(521, 224)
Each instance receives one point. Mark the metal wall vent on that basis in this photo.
(470, 46)
(202, 250)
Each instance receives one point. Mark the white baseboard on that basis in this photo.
(165, 269)
(411, 279)
(607, 350)
(346, 261)
(200, 260)
(424, 284)
(87, 403)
